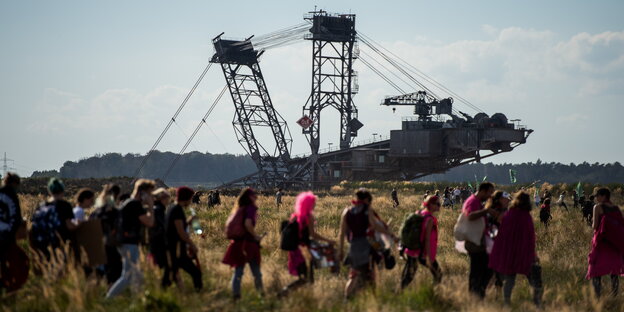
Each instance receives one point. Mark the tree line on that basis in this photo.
(551, 172)
(220, 168)
(191, 167)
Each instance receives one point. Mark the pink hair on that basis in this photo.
(304, 204)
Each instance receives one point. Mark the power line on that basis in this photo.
(5, 165)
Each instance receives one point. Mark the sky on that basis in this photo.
(79, 78)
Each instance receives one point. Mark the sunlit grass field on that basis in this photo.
(562, 249)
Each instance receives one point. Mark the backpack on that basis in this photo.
(159, 230)
(235, 225)
(411, 231)
(45, 224)
(118, 233)
(289, 239)
(612, 228)
(109, 220)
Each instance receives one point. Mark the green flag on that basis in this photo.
(484, 179)
(579, 189)
(512, 176)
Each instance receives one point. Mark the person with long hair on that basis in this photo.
(135, 213)
(355, 223)
(545, 215)
(604, 258)
(157, 233)
(303, 214)
(514, 249)
(247, 248)
(429, 235)
(499, 203)
(106, 211)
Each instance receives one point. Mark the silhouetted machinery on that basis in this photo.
(436, 138)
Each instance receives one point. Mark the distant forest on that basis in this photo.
(191, 167)
(209, 168)
(531, 172)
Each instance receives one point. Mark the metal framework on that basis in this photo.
(254, 110)
(333, 78)
(429, 144)
(423, 104)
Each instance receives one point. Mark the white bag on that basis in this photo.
(467, 230)
(461, 247)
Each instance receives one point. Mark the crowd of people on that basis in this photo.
(494, 228)
(451, 197)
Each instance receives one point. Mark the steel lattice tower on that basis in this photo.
(253, 110)
(333, 78)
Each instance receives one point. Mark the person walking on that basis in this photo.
(561, 201)
(545, 215)
(85, 198)
(354, 224)
(53, 222)
(499, 202)
(136, 212)
(575, 198)
(278, 198)
(514, 249)
(216, 197)
(480, 273)
(245, 249)
(456, 196)
(304, 216)
(10, 212)
(428, 234)
(11, 225)
(106, 211)
(604, 257)
(178, 240)
(588, 210)
(157, 233)
(395, 198)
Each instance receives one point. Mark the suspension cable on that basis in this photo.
(190, 139)
(381, 75)
(424, 76)
(171, 121)
(397, 66)
(384, 67)
(279, 32)
(393, 73)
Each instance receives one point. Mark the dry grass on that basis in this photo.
(562, 248)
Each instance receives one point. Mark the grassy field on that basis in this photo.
(562, 248)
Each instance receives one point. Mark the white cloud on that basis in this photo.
(571, 119)
(530, 74)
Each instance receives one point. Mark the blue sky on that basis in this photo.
(84, 77)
